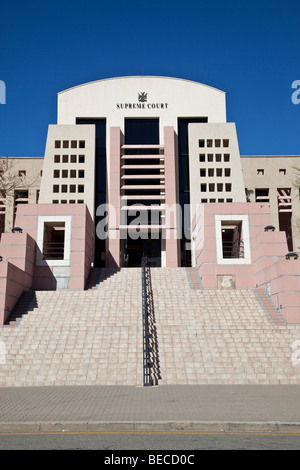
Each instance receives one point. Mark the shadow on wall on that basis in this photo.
(43, 278)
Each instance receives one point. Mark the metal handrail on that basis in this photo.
(146, 355)
(233, 249)
(151, 363)
(53, 250)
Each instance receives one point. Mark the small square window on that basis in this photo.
(262, 195)
(57, 144)
(72, 201)
(65, 158)
(55, 188)
(260, 171)
(220, 200)
(217, 143)
(64, 201)
(54, 240)
(64, 173)
(81, 188)
(80, 201)
(201, 143)
(80, 173)
(82, 144)
(219, 172)
(81, 158)
(65, 144)
(282, 171)
(212, 200)
(209, 143)
(203, 200)
(211, 187)
(72, 188)
(21, 194)
(202, 157)
(218, 157)
(203, 188)
(55, 201)
(73, 158)
(226, 157)
(202, 172)
(233, 245)
(72, 173)
(219, 187)
(64, 188)
(227, 172)
(210, 157)
(228, 187)
(56, 173)
(229, 200)
(22, 173)
(56, 158)
(211, 172)
(225, 142)
(74, 144)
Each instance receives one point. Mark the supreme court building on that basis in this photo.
(158, 171)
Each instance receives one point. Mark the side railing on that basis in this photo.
(151, 369)
(233, 249)
(53, 250)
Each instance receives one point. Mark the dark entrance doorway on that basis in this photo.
(135, 250)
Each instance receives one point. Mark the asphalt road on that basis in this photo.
(112, 444)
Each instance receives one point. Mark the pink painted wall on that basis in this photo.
(113, 241)
(268, 269)
(18, 270)
(172, 245)
(82, 248)
(19, 250)
(82, 240)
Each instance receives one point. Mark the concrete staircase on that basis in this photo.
(78, 337)
(94, 337)
(219, 336)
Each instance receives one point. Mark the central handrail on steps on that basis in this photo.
(146, 355)
(151, 370)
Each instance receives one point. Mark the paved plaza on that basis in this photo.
(241, 408)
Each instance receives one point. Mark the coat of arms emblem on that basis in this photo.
(142, 97)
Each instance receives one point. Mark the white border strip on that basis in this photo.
(39, 261)
(245, 237)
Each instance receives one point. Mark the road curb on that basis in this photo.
(151, 426)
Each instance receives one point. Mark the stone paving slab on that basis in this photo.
(164, 408)
(198, 337)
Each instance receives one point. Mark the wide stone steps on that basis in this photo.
(94, 337)
(73, 338)
(220, 336)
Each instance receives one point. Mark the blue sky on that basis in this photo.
(249, 49)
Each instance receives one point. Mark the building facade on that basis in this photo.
(152, 161)
(20, 182)
(273, 180)
(140, 145)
